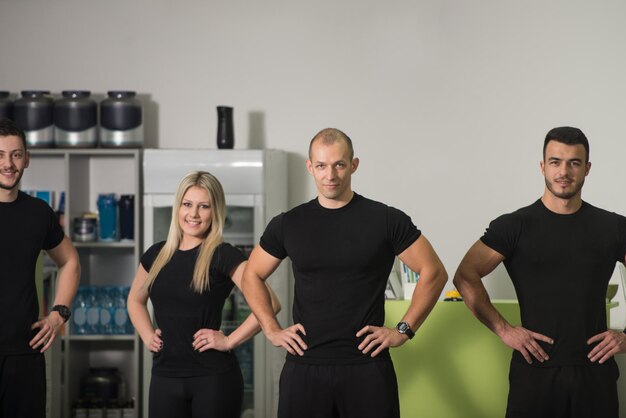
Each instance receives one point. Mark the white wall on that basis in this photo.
(447, 101)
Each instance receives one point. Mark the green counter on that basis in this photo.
(454, 367)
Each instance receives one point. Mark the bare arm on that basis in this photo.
(260, 266)
(65, 257)
(421, 258)
(479, 261)
(206, 339)
(138, 312)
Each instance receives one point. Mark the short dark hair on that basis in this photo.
(9, 128)
(567, 135)
(331, 135)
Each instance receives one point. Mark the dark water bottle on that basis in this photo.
(127, 216)
(225, 130)
(6, 105)
(34, 114)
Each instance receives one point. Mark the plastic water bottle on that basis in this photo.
(121, 314)
(130, 329)
(93, 311)
(79, 313)
(107, 310)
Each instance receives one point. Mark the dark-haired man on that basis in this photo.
(342, 247)
(28, 225)
(560, 253)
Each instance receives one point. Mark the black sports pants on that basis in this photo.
(215, 396)
(22, 386)
(563, 392)
(367, 390)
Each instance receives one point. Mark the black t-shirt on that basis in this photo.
(28, 225)
(180, 311)
(341, 262)
(560, 266)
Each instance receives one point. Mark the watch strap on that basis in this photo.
(405, 328)
(63, 311)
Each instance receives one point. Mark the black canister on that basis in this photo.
(6, 105)
(104, 384)
(121, 120)
(225, 130)
(75, 120)
(33, 113)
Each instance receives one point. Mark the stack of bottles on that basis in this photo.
(101, 310)
(88, 408)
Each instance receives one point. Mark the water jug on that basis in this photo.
(121, 120)
(75, 120)
(33, 113)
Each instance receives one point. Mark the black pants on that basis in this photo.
(368, 390)
(22, 386)
(563, 392)
(215, 396)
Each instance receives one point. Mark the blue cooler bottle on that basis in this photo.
(107, 212)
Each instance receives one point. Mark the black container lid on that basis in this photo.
(35, 93)
(78, 94)
(4, 94)
(121, 93)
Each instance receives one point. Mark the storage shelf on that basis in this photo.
(129, 337)
(104, 244)
(82, 175)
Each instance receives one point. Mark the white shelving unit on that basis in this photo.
(83, 174)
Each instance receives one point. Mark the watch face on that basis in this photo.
(403, 328)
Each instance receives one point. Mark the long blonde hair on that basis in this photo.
(213, 238)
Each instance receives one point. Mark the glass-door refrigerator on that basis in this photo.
(255, 185)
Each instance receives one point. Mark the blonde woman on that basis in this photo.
(188, 278)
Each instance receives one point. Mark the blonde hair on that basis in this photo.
(207, 181)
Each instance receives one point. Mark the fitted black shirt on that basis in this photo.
(27, 226)
(560, 266)
(180, 311)
(341, 261)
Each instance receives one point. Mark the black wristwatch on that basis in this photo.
(63, 310)
(404, 328)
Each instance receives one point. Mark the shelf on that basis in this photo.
(129, 337)
(82, 175)
(104, 244)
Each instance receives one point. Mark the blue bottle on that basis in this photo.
(79, 313)
(130, 329)
(107, 310)
(120, 318)
(93, 311)
(107, 213)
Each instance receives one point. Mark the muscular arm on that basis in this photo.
(421, 258)
(608, 343)
(479, 261)
(260, 266)
(65, 257)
